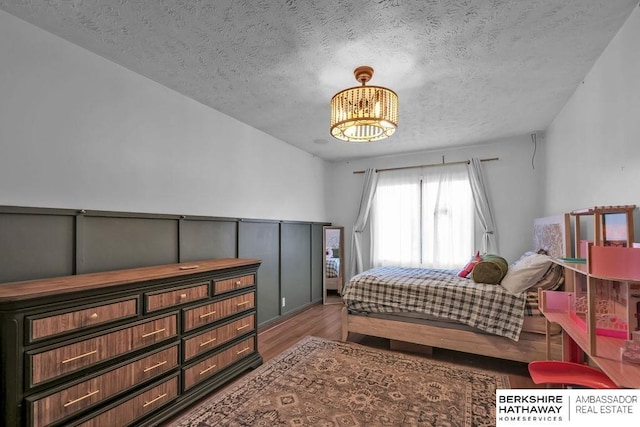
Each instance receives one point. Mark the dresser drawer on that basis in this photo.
(209, 366)
(81, 396)
(213, 338)
(54, 363)
(174, 297)
(222, 286)
(136, 407)
(199, 316)
(76, 320)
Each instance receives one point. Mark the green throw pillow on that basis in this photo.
(491, 270)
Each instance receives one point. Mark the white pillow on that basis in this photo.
(526, 272)
(524, 255)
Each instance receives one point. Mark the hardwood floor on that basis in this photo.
(325, 321)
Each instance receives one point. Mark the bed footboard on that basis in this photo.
(530, 347)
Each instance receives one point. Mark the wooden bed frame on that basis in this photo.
(550, 233)
(530, 347)
(334, 283)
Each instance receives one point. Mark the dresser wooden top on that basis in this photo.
(19, 291)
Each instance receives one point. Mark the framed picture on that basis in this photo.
(615, 230)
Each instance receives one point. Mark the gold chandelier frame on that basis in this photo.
(364, 113)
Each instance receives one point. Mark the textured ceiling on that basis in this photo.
(465, 71)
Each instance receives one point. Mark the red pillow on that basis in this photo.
(472, 263)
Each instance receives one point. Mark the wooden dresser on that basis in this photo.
(128, 346)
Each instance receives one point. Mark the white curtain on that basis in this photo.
(423, 218)
(395, 223)
(448, 220)
(368, 191)
(483, 207)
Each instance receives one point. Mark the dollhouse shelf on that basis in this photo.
(610, 224)
(556, 309)
(604, 263)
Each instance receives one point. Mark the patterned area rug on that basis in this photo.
(329, 383)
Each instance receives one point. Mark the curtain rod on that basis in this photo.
(462, 162)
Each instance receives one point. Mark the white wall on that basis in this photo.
(515, 188)
(593, 145)
(78, 131)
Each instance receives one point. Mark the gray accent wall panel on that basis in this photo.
(40, 243)
(317, 258)
(207, 240)
(261, 240)
(114, 243)
(295, 274)
(35, 246)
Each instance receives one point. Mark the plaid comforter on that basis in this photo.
(439, 293)
(333, 265)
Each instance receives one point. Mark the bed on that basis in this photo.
(333, 277)
(437, 308)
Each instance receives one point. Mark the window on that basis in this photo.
(423, 218)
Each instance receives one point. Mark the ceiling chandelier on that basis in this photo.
(364, 113)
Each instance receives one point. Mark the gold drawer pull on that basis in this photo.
(238, 283)
(153, 333)
(243, 303)
(79, 357)
(71, 402)
(208, 369)
(93, 316)
(183, 296)
(202, 344)
(242, 351)
(154, 366)
(242, 327)
(154, 400)
(211, 313)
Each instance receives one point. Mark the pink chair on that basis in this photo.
(568, 373)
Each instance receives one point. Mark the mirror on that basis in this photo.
(333, 265)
